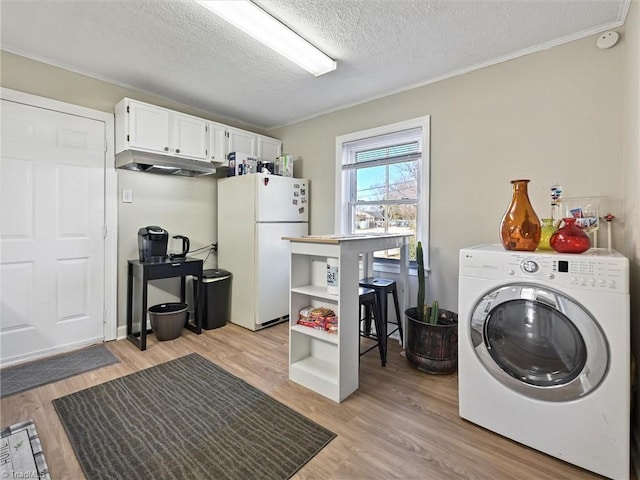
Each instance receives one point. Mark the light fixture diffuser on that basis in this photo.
(250, 18)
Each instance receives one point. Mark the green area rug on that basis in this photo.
(186, 419)
(26, 376)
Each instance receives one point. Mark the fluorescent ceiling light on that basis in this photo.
(250, 18)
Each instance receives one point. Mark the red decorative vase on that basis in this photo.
(570, 238)
(520, 226)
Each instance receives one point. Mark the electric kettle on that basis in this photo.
(184, 249)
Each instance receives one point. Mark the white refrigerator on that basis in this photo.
(254, 212)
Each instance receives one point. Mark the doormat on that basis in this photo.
(21, 454)
(184, 419)
(51, 369)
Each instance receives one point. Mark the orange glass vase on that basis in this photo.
(520, 226)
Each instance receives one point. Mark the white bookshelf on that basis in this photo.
(327, 363)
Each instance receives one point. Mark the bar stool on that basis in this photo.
(383, 287)
(369, 301)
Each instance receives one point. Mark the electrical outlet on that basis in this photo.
(127, 196)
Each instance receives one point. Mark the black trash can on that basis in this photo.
(168, 320)
(215, 298)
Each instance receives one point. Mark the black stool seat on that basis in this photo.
(383, 287)
(369, 300)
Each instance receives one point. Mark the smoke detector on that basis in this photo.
(607, 40)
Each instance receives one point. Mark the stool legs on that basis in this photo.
(398, 317)
(372, 311)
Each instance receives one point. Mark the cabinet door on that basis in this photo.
(149, 127)
(242, 141)
(189, 136)
(269, 148)
(217, 150)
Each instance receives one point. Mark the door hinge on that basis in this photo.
(104, 231)
(104, 317)
(127, 108)
(128, 139)
(226, 134)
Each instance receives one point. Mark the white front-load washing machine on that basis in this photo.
(544, 352)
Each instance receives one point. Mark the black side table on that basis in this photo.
(141, 272)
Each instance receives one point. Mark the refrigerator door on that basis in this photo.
(281, 199)
(272, 269)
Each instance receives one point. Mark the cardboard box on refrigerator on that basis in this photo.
(241, 164)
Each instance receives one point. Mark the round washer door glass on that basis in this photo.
(539, 342)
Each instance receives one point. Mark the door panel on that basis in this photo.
(272, 272)
(51, 233)
(282, 199)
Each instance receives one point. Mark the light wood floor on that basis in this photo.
(401, 423)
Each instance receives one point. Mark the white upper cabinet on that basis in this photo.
(217, 142)
(141, 126)
(189, 136)
(156, 129)
(242, 141)
(149, 127)
(269, 148)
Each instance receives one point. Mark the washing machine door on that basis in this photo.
(539, 342)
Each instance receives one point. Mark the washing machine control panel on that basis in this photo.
(598, 273)
(597, 269)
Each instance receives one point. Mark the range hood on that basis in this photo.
(139, 161)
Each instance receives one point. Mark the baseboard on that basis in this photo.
(121, 332)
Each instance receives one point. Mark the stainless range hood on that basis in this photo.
(138, 161)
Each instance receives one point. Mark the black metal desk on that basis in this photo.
(142, 273)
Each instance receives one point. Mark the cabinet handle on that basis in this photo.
(166, 149)
(177, 150)
(213, 156)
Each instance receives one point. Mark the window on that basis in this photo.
(382, 183)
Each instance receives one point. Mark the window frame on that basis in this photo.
(343, 188)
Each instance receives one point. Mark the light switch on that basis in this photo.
(127, 196)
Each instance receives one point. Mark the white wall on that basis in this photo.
(631, 41)
(555, 116)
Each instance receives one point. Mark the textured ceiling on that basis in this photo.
(181, 51)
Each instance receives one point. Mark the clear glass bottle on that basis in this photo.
(520, 226)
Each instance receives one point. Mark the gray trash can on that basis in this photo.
(215, 298)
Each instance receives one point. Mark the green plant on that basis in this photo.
(425, 313)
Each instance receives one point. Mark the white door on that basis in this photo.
(190, 136)
(217, 143)
(281, 199)
(269, 148)
(52, 182)
(242, 141)
(272, 269)
(149, 127)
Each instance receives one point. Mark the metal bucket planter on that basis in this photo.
(432, 348)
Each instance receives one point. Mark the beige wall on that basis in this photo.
(555, 116)
(632, 179)
(181, 205)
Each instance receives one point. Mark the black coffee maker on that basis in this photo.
(152, 244)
